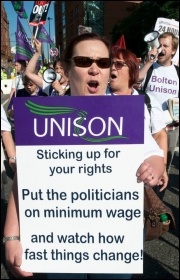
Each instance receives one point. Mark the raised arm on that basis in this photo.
(30, 71)
(147, 65)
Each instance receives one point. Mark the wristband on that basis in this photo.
(10, 238)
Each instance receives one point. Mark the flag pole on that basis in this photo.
(37, 27)
(29, 27)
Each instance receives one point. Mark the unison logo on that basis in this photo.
(78, 126)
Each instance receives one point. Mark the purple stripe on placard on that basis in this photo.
(79, 120)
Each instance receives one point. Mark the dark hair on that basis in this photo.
(22, 62)
(58, 61)
(68, 53)
(132, 62)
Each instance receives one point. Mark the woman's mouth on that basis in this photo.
(93, 86)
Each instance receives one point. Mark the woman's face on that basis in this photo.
(30, 87)
(119, 75)
(60, 70)
(91, 80)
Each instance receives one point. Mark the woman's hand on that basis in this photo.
(151, 170)
(57, 86)
(163, 181)
(13, 256)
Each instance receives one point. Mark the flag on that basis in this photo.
(19, 8)
(121, 42)
(24, 49)
(39, 12)
(43, 36)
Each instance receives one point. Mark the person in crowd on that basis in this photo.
(17, 83)
(3, 74)
(30, 89)
(163, 83)
(56, 88)
(9, 146)
(50, 64)
(41, 70)
(124, 75)
(88, 62)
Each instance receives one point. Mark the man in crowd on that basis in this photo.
(163, 83)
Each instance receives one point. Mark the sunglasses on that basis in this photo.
(119, 64)
(83, 61)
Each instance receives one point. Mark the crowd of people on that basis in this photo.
(92, 67)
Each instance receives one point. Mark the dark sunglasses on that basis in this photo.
(119, 64)
(83, 61)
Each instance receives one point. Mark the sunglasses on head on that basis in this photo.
(83, 61)
(119, 64)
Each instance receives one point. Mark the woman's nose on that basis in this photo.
(93, 69)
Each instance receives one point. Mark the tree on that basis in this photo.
(142, 21)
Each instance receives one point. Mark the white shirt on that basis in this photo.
(151, 148)
(163, 84)
(156, 117)
(5, 125)
(17, 83)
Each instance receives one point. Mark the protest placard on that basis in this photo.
(81, 208)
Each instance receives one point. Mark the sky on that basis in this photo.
(28, 6)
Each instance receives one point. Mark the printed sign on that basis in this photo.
(81, 208)
(39, 12)
(169, 25)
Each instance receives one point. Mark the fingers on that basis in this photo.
(152, 56)
(17, 261)
(163, 188)
(147, 175)
(15, 269)
(163, 182)
(18, 273)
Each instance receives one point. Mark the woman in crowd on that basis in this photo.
(124, 75)
(17, 83)
(88, 61)
(30, 90)
(59, 86)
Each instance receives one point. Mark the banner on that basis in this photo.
(19, 8)
(81, 208)
(24, 49)
(43, 36)
(39, 12)
(169, 25)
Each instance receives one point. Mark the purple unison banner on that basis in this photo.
(79, 120)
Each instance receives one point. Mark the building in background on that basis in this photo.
(6, 56)
(101, 16)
